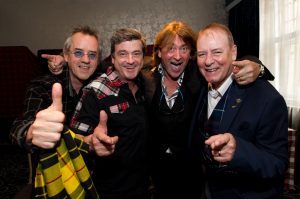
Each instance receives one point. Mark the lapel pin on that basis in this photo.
(237, 101)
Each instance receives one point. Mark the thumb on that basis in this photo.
(100, 132)
(103, 121)
(56, 97)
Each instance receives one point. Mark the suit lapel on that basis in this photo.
(234, 102)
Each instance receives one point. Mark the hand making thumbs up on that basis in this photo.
(103, 144)
(46, 130)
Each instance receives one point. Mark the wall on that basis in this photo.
(40, 24)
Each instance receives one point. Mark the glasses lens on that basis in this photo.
(78, 53)
(92, 56)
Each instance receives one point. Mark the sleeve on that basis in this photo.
(38, 97)
(86, 115)
(267, 74)
(266, 155)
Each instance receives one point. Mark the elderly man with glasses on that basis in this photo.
(39, 126)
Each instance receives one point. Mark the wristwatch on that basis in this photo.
(261, 70)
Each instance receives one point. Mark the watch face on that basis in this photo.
(262, 70)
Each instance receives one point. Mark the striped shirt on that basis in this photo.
(169, 99)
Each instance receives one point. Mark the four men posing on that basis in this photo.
(169, 93)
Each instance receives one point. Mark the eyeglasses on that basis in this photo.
(79, 54)
(178, 106)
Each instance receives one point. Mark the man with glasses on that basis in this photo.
(48, 108)
(239, 132)
(41, 125)
(172, 88)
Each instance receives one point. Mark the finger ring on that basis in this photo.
(219, 153)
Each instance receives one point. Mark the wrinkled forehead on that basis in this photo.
(80, 40)
(130, 46)
(216, 36)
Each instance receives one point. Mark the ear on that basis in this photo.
(234, 52)
(112, 59)
(159, 53)
(66, 57)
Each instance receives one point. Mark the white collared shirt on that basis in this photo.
(211, 101)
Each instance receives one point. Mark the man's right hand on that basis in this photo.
(55, 63)
(46, 130)
(102, 144)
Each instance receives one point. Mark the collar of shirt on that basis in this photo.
(65, 79)
(114, 82)
(213, 101)
(114, 78)
(170, 100)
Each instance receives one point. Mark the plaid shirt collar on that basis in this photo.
(66, 80)
(114, 77)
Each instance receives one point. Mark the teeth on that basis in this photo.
(176, 64)
(84, 67)
(129, 67)
(211, 70)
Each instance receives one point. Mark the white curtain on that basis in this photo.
(280, 45)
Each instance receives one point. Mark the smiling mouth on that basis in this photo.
(176, 64)
(84, 67)
(211, 70)
(129, 67)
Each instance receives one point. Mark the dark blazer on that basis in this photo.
(257, 117)
(172, 173)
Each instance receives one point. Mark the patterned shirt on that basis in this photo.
(170, 100)
(124, 173)
(38, 97)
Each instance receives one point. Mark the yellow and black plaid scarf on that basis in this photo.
(62, 173)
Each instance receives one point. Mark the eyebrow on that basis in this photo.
(90, 51)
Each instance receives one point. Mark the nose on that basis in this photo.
(177, 54)
(209, 60)
(130, 58)
(85, 58)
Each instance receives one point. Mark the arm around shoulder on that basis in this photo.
(264, 71)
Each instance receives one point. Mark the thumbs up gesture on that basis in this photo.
(103, 145)
(46, 130)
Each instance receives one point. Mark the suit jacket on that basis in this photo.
(173, 174)
(256, 115)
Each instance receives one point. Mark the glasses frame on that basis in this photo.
(80, 53)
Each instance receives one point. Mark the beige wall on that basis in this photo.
(41, 24)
